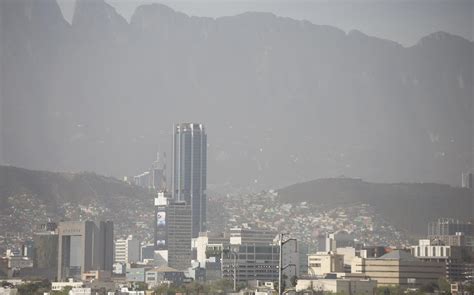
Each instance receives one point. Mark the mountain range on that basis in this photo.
(283, 100)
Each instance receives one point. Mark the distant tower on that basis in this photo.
(467, 180)
(470, 181)
(463, 180)
(158, 173)
(190, 171)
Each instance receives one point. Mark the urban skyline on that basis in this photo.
(236, 148)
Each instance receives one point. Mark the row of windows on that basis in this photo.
(315, 265)
(434, 251)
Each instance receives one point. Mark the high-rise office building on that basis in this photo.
(248, 262)
(179, 235)
(456, 258)
(45, 257)
(190, 171)
(450, 226)
(84, 246)
(173, 232)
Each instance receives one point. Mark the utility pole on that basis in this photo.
(280, 263)
(235, 270)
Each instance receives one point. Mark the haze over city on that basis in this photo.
(236, 147)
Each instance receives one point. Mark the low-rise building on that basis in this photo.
(59, 286)
(340, 286)
(99, 275)
(135, 274)
(80, 291)
(399, 268)
(323, 263)
(8, 291)
(157, 276)
(147, 251)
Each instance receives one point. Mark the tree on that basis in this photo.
(444, 286)
(429, 288)
(389, 290)
(195, 288)
(64, 291)
(165, 289)
(140, 286)
(469, 288)
(294, 281)
(221, 286)
(34, 288)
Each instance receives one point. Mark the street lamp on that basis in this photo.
(280, 263)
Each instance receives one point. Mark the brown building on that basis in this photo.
(399, 268)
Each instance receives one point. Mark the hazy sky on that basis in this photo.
(398, 20)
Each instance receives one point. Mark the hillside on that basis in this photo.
(29, 198)
(408, 206)
(57, 188)
(285, 99)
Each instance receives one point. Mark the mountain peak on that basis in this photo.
(440, 36)
(149, 14)
(95, 12)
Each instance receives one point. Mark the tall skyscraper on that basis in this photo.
(190, 171)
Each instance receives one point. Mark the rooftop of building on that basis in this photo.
(164, 269)
(398, 255)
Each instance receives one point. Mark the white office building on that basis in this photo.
(127, 250)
